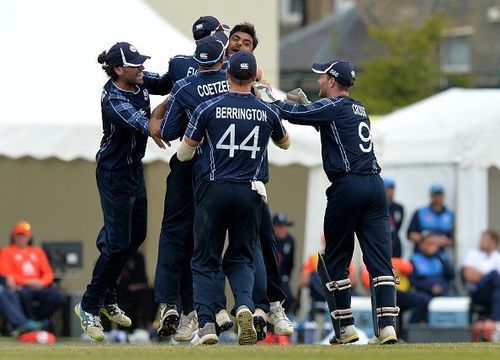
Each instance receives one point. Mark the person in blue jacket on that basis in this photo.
(436, 218)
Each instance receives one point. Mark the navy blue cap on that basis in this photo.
(207, 25)
(124, 54)
(389, 183)
(242, 65)
(436, 189)
(210, 49)
(341, 70)
(281, 219)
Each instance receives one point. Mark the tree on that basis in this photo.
(407, 72)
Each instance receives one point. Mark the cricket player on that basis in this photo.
(356, 201)
(229, 187)
(173, 282)
(120, 180)
(181, 66)
(174, 248)
(268, 294)
(176, 242)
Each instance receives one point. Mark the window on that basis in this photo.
(455, 54)
(291, 11)
(455, 49)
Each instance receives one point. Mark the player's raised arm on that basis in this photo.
(316, 113)
(156, 84)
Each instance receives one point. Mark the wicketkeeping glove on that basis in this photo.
(297, 96)
(264, 93)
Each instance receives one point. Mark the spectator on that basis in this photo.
(135, 296)
(286, 253)
(12, 311)
(481, 270)
(396, 214)
(435, 218)
(28, 268)
(432, 269)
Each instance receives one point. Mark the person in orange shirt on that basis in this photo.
(28, 268)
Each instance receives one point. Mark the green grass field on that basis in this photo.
(469, 351)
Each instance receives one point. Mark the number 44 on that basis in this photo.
(232, 147)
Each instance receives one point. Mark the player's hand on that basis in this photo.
(297, 96)
(154, 130)
(264, 93)
(266, 83)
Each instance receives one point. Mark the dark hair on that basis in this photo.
(246, 28)
(340, 86)
(200, 34)
(240, 82)
(493, 235)
(109, 70)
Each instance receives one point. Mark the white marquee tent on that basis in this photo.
(449, 138)
(53, 81)
(53, 49)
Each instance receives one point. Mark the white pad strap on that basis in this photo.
(388, 311)
(338, 285)
(342, 314)
(385, 280)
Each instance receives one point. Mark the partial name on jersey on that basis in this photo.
(212, 89)
(240, 113)
(359, 110)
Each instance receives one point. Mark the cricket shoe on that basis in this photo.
(116, 315)
(260, 323)
(207, 335)
(188, 325)
(246, 330)
(169, 320)
(91, 324)
(387, 335)
(223, 321)
(278, 319)
(348, 334)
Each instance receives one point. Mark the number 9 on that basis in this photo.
(363, 125)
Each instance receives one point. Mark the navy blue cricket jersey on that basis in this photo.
(235, 128)
(346, 142)
(125, 118)
(186, 95)
(181, 66)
